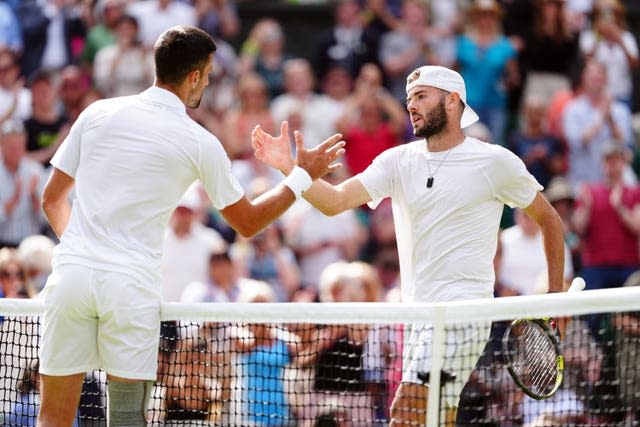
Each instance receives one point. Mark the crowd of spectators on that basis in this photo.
(552, 80)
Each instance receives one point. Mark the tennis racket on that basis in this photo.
(531, 350)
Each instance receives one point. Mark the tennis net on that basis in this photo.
(339, 364)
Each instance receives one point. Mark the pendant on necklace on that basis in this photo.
(430, 182)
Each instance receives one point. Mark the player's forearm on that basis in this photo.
(553, 239)
(324, 197)
(58, 213)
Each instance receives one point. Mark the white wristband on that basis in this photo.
(298, 181)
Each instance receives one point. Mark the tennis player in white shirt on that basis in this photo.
(130, 160)
(447, 192)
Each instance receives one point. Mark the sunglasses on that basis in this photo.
(11, 274)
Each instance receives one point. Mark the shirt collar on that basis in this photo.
(163, 96)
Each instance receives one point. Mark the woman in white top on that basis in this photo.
(609, 42)
(126, 67)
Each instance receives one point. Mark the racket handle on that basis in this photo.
(577, 285)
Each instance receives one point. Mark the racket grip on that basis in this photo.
(577, 285)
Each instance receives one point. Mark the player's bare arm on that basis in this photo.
(55, 200)
(327, 198)
(553, 239)
(249, 217)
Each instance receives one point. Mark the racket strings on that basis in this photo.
(533, 358)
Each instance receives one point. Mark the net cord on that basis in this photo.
(507, 308)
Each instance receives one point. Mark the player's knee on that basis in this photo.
(127, 403)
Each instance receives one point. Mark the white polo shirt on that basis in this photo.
(447, 234)
(133, 158)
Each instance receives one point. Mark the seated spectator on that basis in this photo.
(102, 34)
(15, 99)
(590, 120)
(336, 355)
(75, 91)
(522, 265)
(264, 355)
(36, 252)
(304, 109)
(265, 257)
(263, 52)
(607, 218)
(21, 182)
(347, 41)
(124, 67)
(53, 33)
(187, 246)
(155, 16)
(10, 31)
(319, 240)
(219, 18)
(411, 44)
(47, 126)
(373, 121)
(223, 285)
(541, 152)
(13, 275)
(189, 392)
(251, 110)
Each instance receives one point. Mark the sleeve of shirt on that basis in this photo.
(216, 177)
(67, 156)
(377, 178)
(511, 181)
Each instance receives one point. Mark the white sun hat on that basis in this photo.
(445, 79)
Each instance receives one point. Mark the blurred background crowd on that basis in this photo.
(555, 81)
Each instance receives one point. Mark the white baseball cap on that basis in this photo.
(445, 79)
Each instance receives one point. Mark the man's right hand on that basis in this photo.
(319, 161)
(276, 152)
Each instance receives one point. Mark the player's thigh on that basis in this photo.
(69, 331)
(129, 327)
(409, 401)
(463, 345)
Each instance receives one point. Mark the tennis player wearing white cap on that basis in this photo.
(448, 193)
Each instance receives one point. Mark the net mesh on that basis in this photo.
(340, 364)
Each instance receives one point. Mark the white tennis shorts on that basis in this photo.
(463, 347)
(97, 319)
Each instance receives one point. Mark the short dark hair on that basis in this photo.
(180, 50)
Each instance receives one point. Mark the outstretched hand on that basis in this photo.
(319, 161)
(276, 152)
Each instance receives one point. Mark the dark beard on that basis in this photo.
(435, 122)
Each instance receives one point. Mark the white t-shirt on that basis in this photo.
(619, 73)
(523, 265)
(447, 234)
(132, 159)
(186, 259)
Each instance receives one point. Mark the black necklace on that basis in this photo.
(431, 177)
